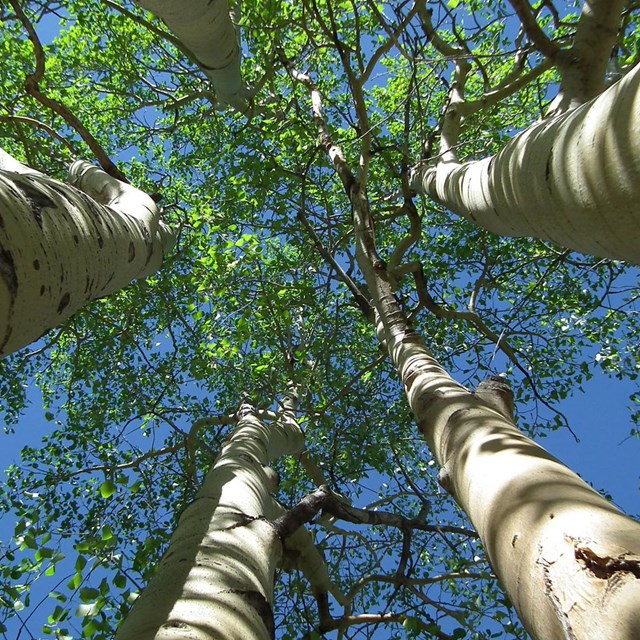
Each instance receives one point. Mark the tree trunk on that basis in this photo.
(568, 559)
(206, 28)
(216, 578)
(60, 247)
(573, 180)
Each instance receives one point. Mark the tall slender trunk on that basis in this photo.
(573, 179)
(569, 560)
(61, 246)
(216, 578)
(206, 28)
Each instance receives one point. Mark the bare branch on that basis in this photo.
(45, 127)
(538, 37)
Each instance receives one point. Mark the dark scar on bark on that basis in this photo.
(36, 199)
(64, 302)
(8, 272)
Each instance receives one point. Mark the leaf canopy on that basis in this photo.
(133, 387)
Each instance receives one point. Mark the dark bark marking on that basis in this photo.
(97, 215)
(8, 272)
(76, 239)
(36, 265)
(605, 567)
(36, 198)
(42, 290)
(1, 222)
(132, 252)
(6, 338)
(144, 231)
(64, 302)
(547, 168)
(10, 277)
(256, 600)
(93, 206)
(11, 187)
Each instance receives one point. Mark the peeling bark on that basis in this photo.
(63, 245)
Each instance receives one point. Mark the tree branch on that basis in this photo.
(538, 37)
(32, 86)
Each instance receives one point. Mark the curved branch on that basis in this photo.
(44, 127)
(32, 87)
(538, 37)
(405, 244)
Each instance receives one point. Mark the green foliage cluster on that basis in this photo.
(246, 302)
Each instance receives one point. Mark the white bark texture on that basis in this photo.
(206, 28)
(573, 180)
(569, 560)
(216, 579)
(61, 246)
(583, 67)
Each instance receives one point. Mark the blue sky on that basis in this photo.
(605, 456)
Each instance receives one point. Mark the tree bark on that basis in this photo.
(206, 28)
(61, 246)
(568, 559)
(583, 67)
(216, 578)
(573, 180)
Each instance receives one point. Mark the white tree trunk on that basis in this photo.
(61, 247)
(573, 180)
(569, 560)
(216, 579)
(207, 30)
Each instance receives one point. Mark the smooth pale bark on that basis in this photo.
(216, 578)
(61, 246)
(206, 28)
(583, 68)
(569, 560)
(573, 180)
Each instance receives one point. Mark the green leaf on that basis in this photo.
(107, 489)
(75, 582)
(81, 563)
(107, 533)
(88, 594)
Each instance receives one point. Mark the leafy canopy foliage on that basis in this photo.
(133, 387)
